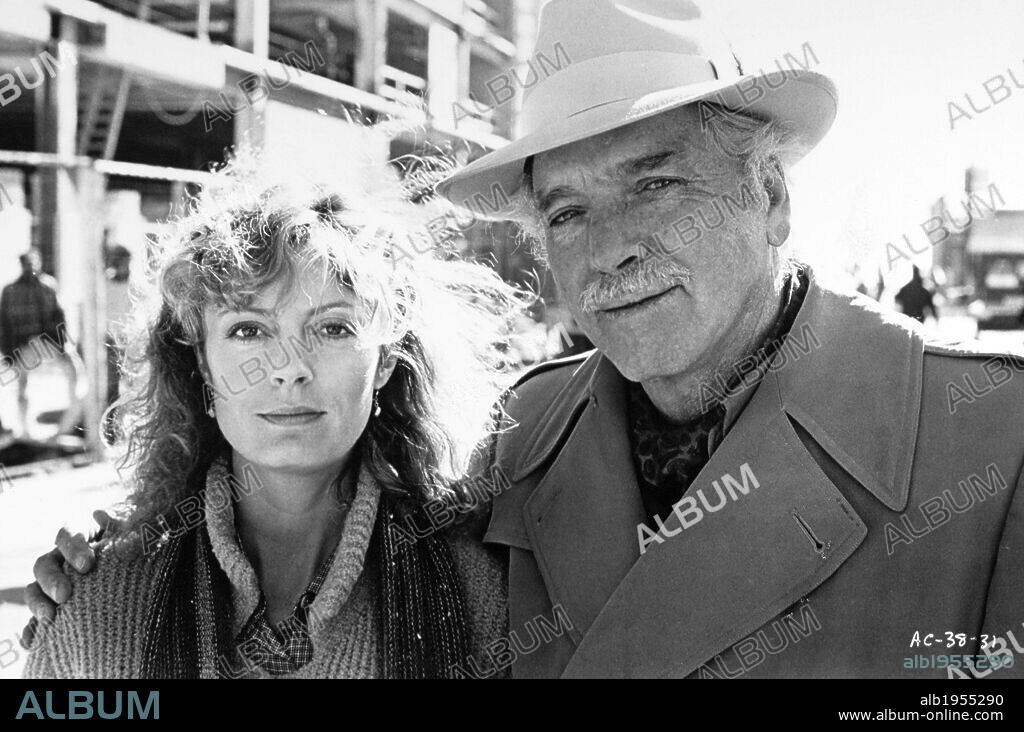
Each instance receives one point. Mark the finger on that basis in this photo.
(107, 522)
(41, 606)
(49, 574)
(28, 635)
(76, 550)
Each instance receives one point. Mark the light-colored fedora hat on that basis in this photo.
(621, 61)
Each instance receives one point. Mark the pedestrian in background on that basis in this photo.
(914, 299)
(33, 330)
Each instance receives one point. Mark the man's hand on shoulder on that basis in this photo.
(51, 570)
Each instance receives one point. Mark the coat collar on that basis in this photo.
(709, 585)
(706, 586)
(829, 379)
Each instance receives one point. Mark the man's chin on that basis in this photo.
(638, 362)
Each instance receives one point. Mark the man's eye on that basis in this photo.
(245, 331)
(658, 183)
(563, 216)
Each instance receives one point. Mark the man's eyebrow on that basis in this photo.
(647, 162)
(633, 166)
(547, 197)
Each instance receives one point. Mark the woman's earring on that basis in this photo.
(376, 403)
(211, 409)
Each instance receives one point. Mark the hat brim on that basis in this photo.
(804, 101)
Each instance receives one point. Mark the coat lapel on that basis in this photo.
(718, 580)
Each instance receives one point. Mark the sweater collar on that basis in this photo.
(349, 556)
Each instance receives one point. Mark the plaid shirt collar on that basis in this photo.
(288, 646)
(285, 647)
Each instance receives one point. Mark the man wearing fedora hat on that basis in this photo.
(753, 474)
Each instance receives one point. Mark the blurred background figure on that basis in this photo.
(915, 299)
(33, 331)
(118, 270)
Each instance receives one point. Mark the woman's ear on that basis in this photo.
(385, 367)
(204, 367)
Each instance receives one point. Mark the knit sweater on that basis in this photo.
(100, 632)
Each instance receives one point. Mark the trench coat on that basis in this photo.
(867, 512)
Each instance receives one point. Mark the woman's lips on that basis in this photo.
(292, 419)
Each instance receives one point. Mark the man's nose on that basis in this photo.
(613, 241)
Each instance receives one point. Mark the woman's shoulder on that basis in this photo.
(99, 630)
(473, 558)
(121, 557)
(128, 572)
(483, 571)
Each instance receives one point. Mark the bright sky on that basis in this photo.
(891, 153)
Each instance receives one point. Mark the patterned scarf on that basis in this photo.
(668, 457)
(423, 625)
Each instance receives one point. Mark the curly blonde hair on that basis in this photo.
(444, 320)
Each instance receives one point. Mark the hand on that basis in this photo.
(52, 586)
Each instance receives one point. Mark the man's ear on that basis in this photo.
(778, 205)
(385, 367)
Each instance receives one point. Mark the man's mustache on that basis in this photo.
(642, 277)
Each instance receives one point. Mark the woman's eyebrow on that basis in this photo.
(228, 310)
(273, 312)
(328, 306)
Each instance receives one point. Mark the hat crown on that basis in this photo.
(600, 65)
(589, 29)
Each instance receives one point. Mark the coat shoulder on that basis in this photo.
(968, 370)
(532, 400)
(969, 349)
(550, 376)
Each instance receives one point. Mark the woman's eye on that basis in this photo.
(337, 330)
(245, 331)
(562, 217)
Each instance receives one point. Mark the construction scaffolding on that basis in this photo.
(141, 96)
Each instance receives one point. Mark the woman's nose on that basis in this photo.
(287, 366)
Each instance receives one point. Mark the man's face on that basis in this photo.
(705, 268)
(30, 263)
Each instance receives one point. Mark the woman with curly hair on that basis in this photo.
(294, 393)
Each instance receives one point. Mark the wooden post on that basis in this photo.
(252, 34)
(252, 27)
(90, 186)
(56, 132)
(367, 44)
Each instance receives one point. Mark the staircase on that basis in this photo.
(102, 98)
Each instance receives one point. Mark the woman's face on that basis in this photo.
(294, 386)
